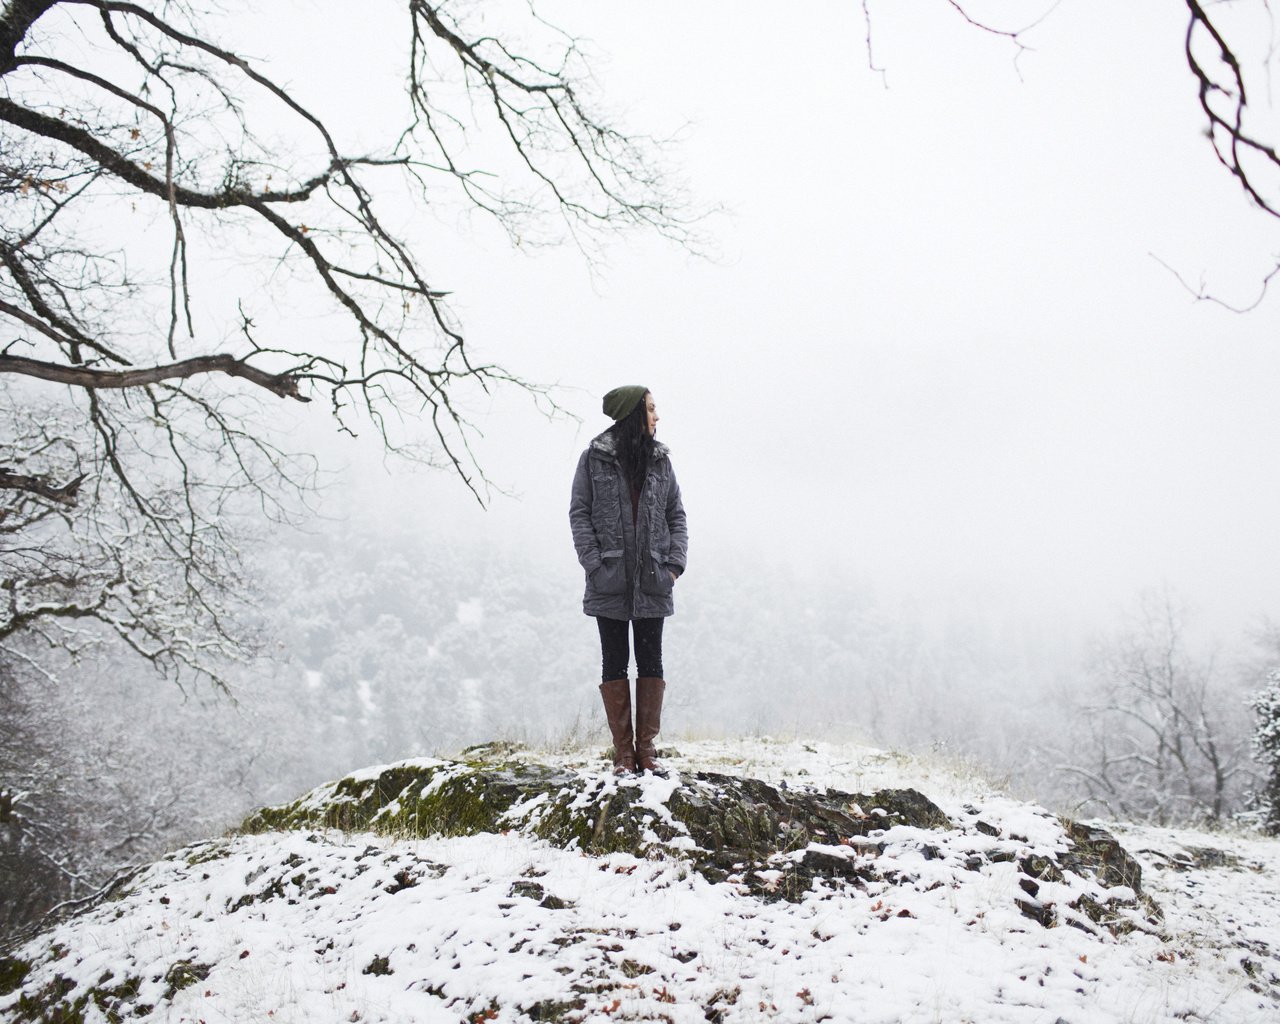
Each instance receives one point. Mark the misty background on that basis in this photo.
(956, 445)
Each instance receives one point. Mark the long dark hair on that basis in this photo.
(634, 444)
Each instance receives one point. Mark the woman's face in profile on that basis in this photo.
(651, 416)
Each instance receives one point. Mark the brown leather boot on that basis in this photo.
(649, 692)
(617, 709)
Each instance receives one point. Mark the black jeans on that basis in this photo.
(615, 655)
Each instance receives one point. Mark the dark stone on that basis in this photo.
(402, 880)
(744, 831)
(739, 826)
(1041, 868)
(529, 890)
(379, 965)
(1042, 913)
(550, 1010)
(1096, 853)
(1198, 857)
(534, 891)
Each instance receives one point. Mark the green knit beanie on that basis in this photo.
(620, 401)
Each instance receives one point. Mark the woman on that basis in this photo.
(629, 529)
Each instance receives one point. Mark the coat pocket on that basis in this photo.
(610, 576)
(656, 577)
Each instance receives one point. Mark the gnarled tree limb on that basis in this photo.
(64, 494)
(284, 385)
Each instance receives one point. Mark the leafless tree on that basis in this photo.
(165, 205)
(1165, 739)
(101, 770)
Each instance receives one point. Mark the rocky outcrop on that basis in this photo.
(306, 876)
(775, 842)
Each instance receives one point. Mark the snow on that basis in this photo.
(295, 924)
(470, 613)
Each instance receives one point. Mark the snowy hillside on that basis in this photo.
(661, 908)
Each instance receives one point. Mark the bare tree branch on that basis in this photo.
(285, 385)
(64, 494)
(138, 148)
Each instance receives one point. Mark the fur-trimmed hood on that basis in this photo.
(606, 445)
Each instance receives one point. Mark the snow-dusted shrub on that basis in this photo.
(1266, 747)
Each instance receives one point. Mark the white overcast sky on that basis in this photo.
(935, 354)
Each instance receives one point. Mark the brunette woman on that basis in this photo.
(629, 530)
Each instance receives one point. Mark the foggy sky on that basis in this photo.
(934, 352)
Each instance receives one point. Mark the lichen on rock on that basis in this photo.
(775, 842)
(724, 825)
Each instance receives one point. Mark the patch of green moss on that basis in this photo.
(461, 806)
(46, 1004)
(13, 972)
(731, 820)
(379, 965)
(726, 824)
(270, 819)
(116, 1004)
(184, 974)
(119, 1002)
(591, 830)
(352, 804)
(356, 802)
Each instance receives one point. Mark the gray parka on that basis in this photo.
(628, 565)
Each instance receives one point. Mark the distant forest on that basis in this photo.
(403, 645)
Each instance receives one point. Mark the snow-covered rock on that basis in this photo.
(788, 881)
